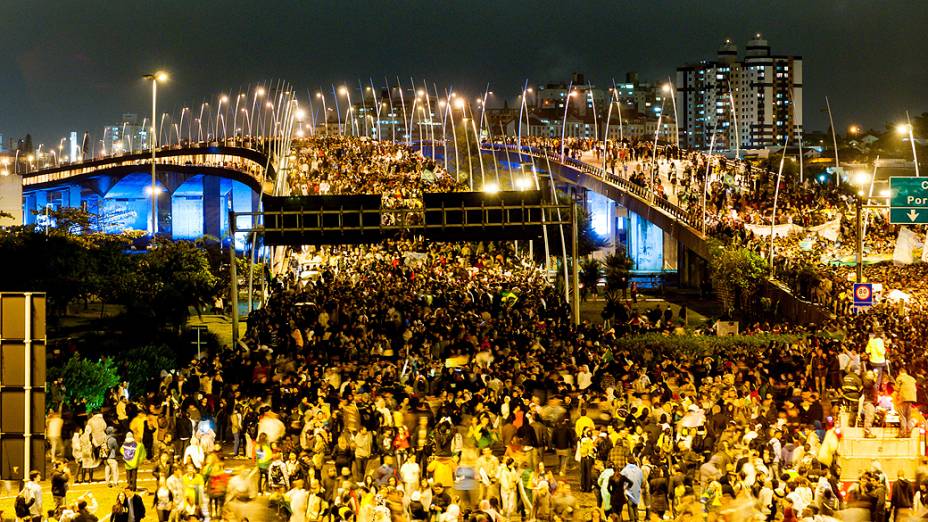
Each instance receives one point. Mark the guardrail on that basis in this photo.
(251, 162)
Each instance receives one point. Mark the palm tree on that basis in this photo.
(590, 273)
(616, 268)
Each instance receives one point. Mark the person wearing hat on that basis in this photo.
(417, 511)
(133, 454)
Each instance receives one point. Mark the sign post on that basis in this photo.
(908, 203)
(863, 295)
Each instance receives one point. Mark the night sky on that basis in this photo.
(69, 65)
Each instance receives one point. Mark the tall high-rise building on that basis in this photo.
(74, 146)
(128, 136)
(752, 102)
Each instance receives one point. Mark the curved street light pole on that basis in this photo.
(154, 78)
(567, 97)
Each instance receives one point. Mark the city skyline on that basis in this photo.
(62, 76)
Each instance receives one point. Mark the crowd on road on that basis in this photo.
(409, 381)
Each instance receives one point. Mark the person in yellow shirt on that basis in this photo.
(876, 353)
(582, 423)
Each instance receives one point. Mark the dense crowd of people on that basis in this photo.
(341, 165)
(412, 381)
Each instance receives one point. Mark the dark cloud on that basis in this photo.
(77, 65)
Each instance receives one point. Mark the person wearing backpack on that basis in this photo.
(133, 454)
(108, 453)
(28, 504)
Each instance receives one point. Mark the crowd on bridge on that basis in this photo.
(342, 165)
(447, 382)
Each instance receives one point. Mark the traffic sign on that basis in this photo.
(863, 294)
(908, 204)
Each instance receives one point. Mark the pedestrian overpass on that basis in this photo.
(195, 188)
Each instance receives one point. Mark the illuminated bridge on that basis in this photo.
(196, 188)
(659, 235)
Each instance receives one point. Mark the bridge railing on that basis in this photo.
(250, 162)
(651, 197)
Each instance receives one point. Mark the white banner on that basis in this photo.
(925, 250)
(778, 230)
(906, 243)
(829, 230)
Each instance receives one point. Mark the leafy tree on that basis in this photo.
(169, 279)
(86, 381)
(68, 220)
(57, 264)
(143, 365)
(590, 273)
(737, 273)
(616, 268)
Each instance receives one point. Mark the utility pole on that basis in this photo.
(860, 240)
(575, 275)
(233, 275)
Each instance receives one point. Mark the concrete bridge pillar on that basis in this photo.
(212, 207)
(74, 197)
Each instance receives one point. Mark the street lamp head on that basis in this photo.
(343, 91)
(318, 95)
(269, 105)
(529, 90)
(420, 92)
(853, 130)
(300, 114)
(223, 99)
(491, 188)
(459, 103)
(260, 91)
(903, 128)
(666, 88)
(861, 178)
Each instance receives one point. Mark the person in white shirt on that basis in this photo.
(32, 492)
(410, 472)
(194, 454)
(297, 497)
(584, 378)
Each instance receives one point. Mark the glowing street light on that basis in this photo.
(906, 128)
(491, 188)
(668, 91)
(154, 78)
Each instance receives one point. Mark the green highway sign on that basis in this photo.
(908, 204)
